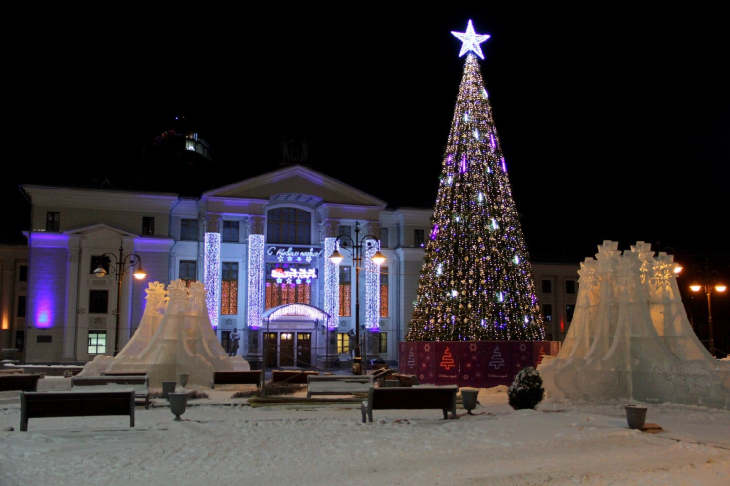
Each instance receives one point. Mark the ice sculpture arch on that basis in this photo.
(174, 336)
(630, 337)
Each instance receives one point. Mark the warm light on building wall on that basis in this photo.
(212, 274)
(256, 277)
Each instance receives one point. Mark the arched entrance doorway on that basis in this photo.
(297, 336)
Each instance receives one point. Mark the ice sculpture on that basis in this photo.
(630, 337)
(174, 336)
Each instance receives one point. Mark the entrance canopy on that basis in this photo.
(296, 310)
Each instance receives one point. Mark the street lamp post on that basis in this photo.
(122, 264)
(356, 248)
(708, 281)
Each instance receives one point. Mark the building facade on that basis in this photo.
(260, 246)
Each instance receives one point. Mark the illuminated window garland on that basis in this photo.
(298, 310)
(212, 274)
(256, 265)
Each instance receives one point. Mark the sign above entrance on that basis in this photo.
(294, 274)
(292, 255)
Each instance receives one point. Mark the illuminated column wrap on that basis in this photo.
(372, 290)
(212, 275)
(331, 285)
(255, 280)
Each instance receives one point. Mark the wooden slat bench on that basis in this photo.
(406, 380)
(19, 381)
(379, 375)
(252, 377)
(140, 384)
(75, 404)
(123, 373)
(411, 398)
(291, 376)
(11, 371)
(338, 384)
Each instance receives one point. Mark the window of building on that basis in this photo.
(570, 286)
(99, 261)
(19, 340)
(21, 306)
(97, 342)
(289, 226)
(384, 237)
(148, 225)
(382, 342)
(98, 301)
(53, 221)
(547, 312)
(188, 271)
(229, 288)
(343, 342)
(23, 273)
(419, 240)
(345, 230)
(569, 310)
(345, 287)
(547, 286)
(286, 292)
(230, 231)
(189, 229)
(383, 291)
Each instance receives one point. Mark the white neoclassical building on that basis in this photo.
(261, 248)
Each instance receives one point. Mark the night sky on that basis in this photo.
(615, 124)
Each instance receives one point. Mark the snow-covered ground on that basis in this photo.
(226, 441)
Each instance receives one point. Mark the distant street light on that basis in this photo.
(122, 264)
(356, 248)
(708, 281)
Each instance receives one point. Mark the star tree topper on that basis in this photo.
(471, 41)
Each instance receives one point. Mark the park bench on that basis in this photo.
(253, 377)
(19, 381)
(123, 373)
(420, 397)
(140, 384)
(406, 380)
(291, 376)
(75, 404)
(380, 374)
(338, 384)
(11, 371)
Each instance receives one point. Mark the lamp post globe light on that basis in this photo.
(708, 281)
(122, 264)
(356, 247)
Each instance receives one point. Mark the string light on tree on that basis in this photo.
(476, 280)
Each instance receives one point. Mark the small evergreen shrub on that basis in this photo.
(197, 394)
(157, 393)
(526, 390)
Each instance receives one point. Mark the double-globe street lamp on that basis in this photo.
(357, 247)
(708, 281)
(122, 265)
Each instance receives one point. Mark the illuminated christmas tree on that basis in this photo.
(476, 282)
